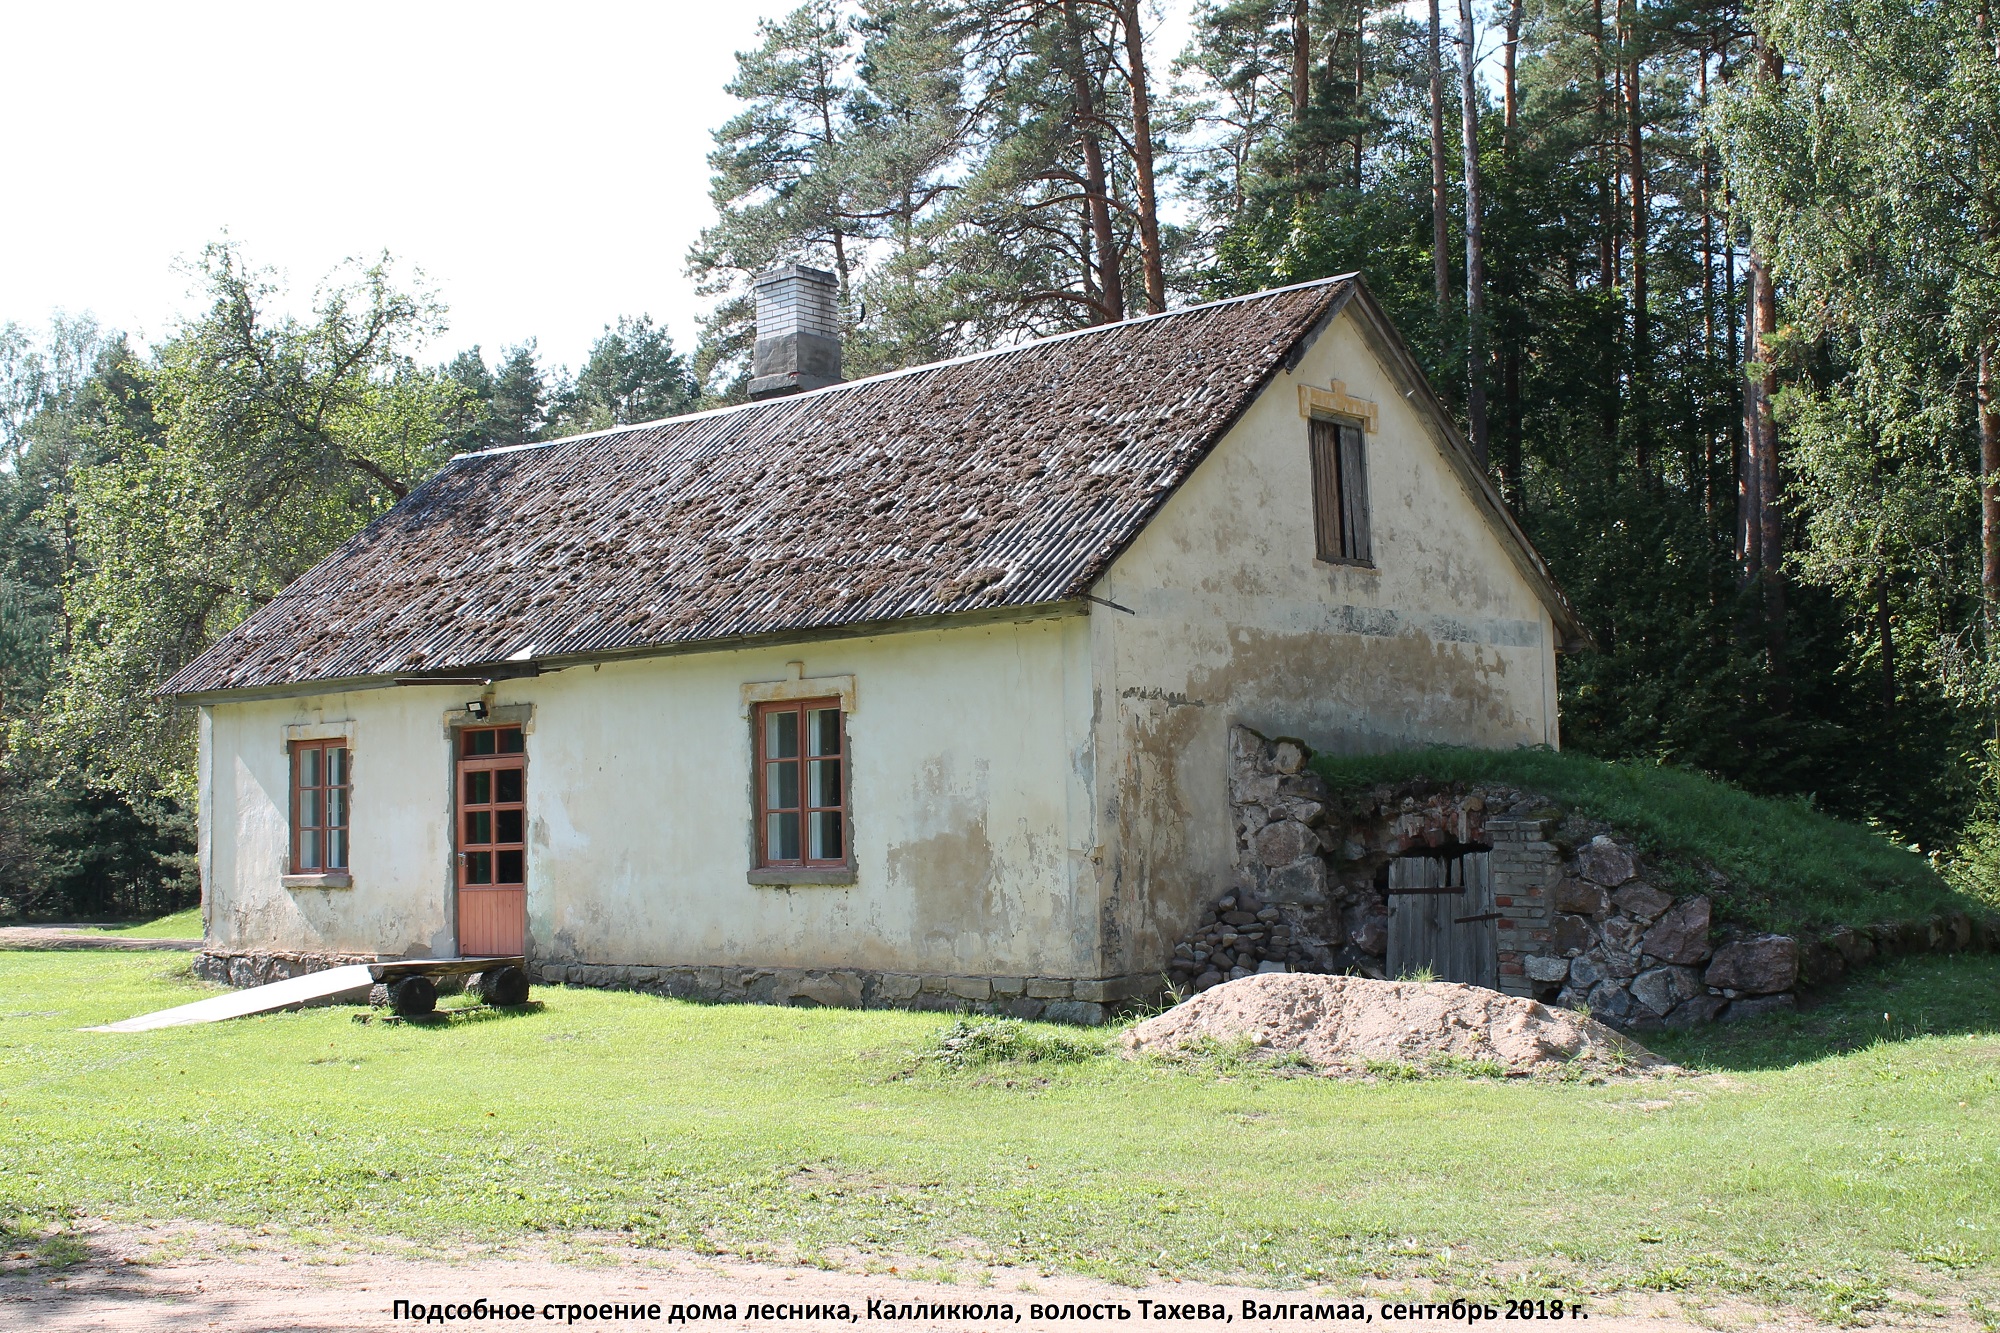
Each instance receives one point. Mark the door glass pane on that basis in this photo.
(336, 850)
(781, 735)
(508, 867)
(826, 835)
(781, 835)
(823, 731)
(479, 742)
(478, 826)
(510, 741)
(309, 849)
(309, 767)
(336, 807)
(823, 782)
(309, 808)
(506, 784)
(479, 867)
(336, 766)
(479, 788)
(781, 786)
(507, 826)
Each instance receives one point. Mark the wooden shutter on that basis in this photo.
(1353, 496)
(1328, 527)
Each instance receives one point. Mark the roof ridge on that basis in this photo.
(968, 358)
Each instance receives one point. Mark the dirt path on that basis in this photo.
(73, 937)
(170, 1279)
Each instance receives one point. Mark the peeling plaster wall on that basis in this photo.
(970, 765)
(1443, 641)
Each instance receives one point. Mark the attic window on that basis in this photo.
(1340, 493)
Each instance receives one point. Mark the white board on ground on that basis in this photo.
(335, 983)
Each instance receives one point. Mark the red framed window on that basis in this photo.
(320, 781)
(801, 784)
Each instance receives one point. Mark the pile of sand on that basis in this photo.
(1343, 1023)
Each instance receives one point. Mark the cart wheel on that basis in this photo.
(504, 986)
(413, 996)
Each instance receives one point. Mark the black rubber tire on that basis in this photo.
(505, 986)
(413, 997)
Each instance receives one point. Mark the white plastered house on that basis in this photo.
(912, 690)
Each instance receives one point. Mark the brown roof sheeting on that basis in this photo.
(1004, 480)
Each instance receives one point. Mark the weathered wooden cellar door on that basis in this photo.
(1441, 917)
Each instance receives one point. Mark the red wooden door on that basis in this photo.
(492, 841)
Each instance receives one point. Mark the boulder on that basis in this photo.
(1541, 967)
(1303, 881)
(1602, 861)
(1819, 963)
(1660, 989)
(1596, 965)
(1761, 966)
(1289, 756)
(1642, 902)
(1854, 946)
(1759, 1006)
(1283, 842)
(1680, 936)
(1573, 934)
(1622, 933)
(1696, 1011)
(1610, 1002)
(1580, 896)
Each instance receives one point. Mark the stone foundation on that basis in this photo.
(1052, 999)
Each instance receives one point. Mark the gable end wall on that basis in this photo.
(1444, 642)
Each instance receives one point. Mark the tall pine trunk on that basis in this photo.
(1440, 187)
(1475, 257)
(1642, 331)
(1153, 264)
(1097, 186)
(1510, 284)
(1989, 483)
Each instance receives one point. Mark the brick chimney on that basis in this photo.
(798, 331)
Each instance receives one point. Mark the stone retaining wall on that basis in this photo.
(1583, 923)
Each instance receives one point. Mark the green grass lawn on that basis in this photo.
(1834, 1158)
(1790, 866)
(178, 926)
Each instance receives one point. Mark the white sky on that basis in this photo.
(543, 164)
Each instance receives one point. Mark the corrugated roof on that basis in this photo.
(1007, 479)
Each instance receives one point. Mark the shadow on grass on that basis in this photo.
(456, 1017)
(1931, 996)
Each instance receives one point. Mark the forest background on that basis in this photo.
(1714, 286)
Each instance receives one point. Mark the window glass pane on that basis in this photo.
(781, 786)
(507, 826)
(823, 731)
(781, 735)
(336, 807)
(826, 835)
(309, 849)
(479, 788)
(823, 782)
(507, 867)
(781, 837)
(479, 742)
(478, 826)
(510, 741)
(479, 867)
(309, 766)
(336, 766)
(309, 808)
(336, 850)
(507, 784)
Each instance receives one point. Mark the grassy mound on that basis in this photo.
(1789, 866)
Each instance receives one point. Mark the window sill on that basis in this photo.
(1367, 565)
(803, 875)
(338, 879)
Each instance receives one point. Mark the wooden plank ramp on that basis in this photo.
(334, 983)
